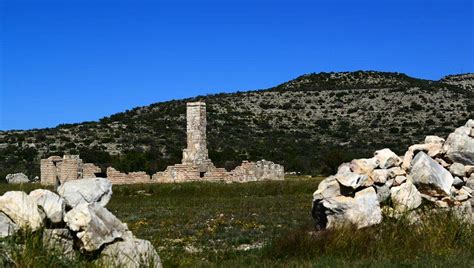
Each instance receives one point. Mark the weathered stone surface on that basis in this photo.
(362, 210)
(364, 165)
(387, 158)
(7, 226)
(53, 205)
(457, 169)
(396, 171)
(429, 176)
(405, 197)
(400, 179)
(59, 240)
(95, 225)
(457, 182)
(21, 209)
(348, 178)
(130, 253)
(17, 178)
(434, 140)
(329, 187)
(89, 190)
(380, 175)
(459, 147)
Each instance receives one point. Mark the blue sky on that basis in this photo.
(72, 61)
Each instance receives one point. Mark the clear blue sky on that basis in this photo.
(72, 61)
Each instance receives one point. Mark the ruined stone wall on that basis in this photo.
(49, 170)
(117, 177)
(89, 170)
(257, 171)
(70, 168)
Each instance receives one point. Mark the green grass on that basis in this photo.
(206, 224)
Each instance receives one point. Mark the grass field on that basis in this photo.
(268, 224)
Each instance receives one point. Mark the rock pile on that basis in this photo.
(75, 221)
(19, 178)
(437, 173)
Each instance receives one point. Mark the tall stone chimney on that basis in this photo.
(196, 152)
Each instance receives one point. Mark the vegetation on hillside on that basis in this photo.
(310, 125)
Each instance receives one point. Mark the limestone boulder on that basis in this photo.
(434, 140)
(364, 165)
(7, 226)
(429, 176)
(22, 210)
(89, 190)
(405, 197)
(380, 175)
(17, 178)
(130, 253)
(457, 169)
(347, 178)
(387, 159)
(459, 147)
(362, 210)
(53, 205)
(329, 187)
(95, 225)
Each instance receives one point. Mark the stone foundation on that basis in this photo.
(117, 177)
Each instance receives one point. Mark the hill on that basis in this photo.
(309, 124)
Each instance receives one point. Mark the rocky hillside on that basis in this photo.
(309, 124)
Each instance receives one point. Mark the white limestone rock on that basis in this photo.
(405, 197)
(348, 178)
(22, 210)
(434, 140)
(53, 205)
(7, 226)
(362, 210)
(130, 253)
(470, 123)
(429, 176)
(89, 190)
(380, 175)
(364, 165)
(95, 225)
(459, 147)
(387, 158)
(457, 182)
(17, 178)
(329, 187)
(457, 169)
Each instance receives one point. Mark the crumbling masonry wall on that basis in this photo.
(117, 177)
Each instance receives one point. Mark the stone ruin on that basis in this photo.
(195, 164)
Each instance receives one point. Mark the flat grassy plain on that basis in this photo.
(269, 224)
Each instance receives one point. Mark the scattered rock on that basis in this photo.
(53, 205)
(364, 165)
(387, 158)
(459, 147)
(327, 188)
(362, 210)
(430, 176)
(380, 175)
(17, 178)
(95, 225)
(89, 190)
(130, 253)
(21, 209)
(405, 197)
(348, 178)
(457, 169)
(7, 226)
(457, 182)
